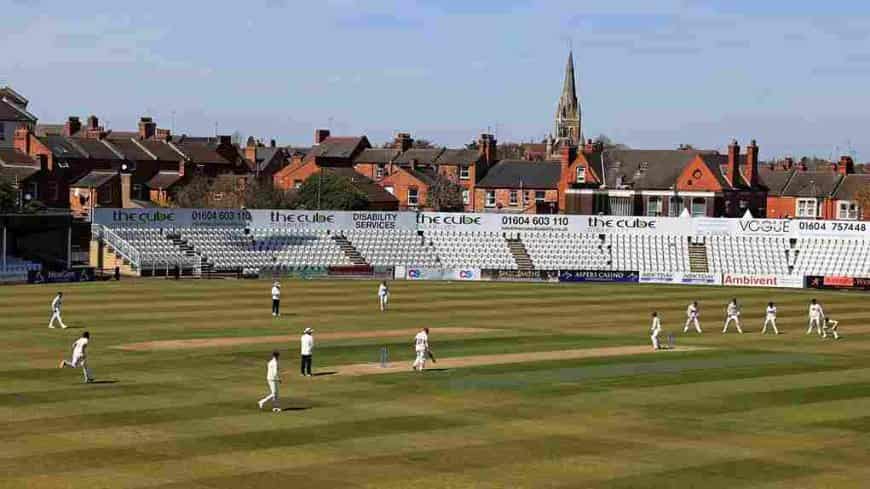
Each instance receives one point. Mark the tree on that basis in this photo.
(8, 196)
(444, 195)
(863, 199)
(194, 194)
(607, 143)
(510, 151)
(262, 194)
(328, 190)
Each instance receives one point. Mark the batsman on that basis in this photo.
(421, 348)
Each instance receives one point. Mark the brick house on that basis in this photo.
(410, 185)
(662, 182)
(20, 169)
(13, 115)
(520, 186)
(464, 167)
(75, 157)
(825, 192)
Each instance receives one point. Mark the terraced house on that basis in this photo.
(83, 166)
(824, 192)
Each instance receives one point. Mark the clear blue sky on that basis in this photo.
(794, 75)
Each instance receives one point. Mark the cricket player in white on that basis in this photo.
(307, 346)
(816, 317)
(56, 306)
(655, 330)
(421, 348)
(732, 313)
(383, 295)
(831, 325)
(80, 356)
(276, 299)
(692, 317)
(770, 318)
(273, 378)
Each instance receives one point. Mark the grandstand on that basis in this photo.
(241, 249)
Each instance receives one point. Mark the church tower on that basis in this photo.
(568, 127)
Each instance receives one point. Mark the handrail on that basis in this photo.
(121, 246)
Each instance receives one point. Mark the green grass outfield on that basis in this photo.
(788, 411)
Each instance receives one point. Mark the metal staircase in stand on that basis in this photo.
(349, 250)
(521, 255)
(698, 257)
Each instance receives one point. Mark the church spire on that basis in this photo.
(568, 121)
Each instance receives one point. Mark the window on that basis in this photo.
(806, 208)
(621, 206)
(412, 197)
(581, 174)
(654, 205)
(297, 184)
(699, 207)
(847, 211)
(675, 206)
(490, 198)
(137, 192)
(217, 196)
(464, 173)
(105, 194)
(2, 131)
(53, 191)
(379, 171)
(391, 190)
(514, 197)
(540, 195)
(465, 197)
(33, 191)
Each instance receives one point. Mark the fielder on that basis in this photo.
(692, 317)
(80, 356)
(276, 299)
(817, 314)
(307, 346)
(273, 378)
(421, 348)
(732, 313)
(56, 306)
(831, 325)
(383, 295)
(770, 318)
(655, 330)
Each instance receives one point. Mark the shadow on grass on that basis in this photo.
(323, 374)
(103, 382)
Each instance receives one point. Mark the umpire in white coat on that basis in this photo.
(307, 347)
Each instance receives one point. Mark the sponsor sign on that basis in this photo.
(860, 283)
(520, 275)
(46, 277)
(471, 222)
(598, 276)
(414, 273)
(699, 278)
(745, 280)
(466, 274)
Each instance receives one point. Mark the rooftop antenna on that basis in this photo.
(172, 124)
(215, 128)
(329, 123)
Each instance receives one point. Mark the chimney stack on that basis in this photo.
(21, 140)
(750, 170)
(403, 141)
(788, 163)
(846, 166)
(733, 162)
(487, 148)
(147, 128)
(320, 135)
(126, 190)
(72, 126)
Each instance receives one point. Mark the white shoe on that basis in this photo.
(50, 326)
(259, 404)
(63, 327)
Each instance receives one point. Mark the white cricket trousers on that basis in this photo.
(420, 361)
(384, 299)
(817, 322)
(690, 322)
(771, 321)
(655, 341)
(56, 316)
(273, 394)
(80, 362)
(728, 321)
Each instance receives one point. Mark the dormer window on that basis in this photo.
(464, 173)
(581, 174)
